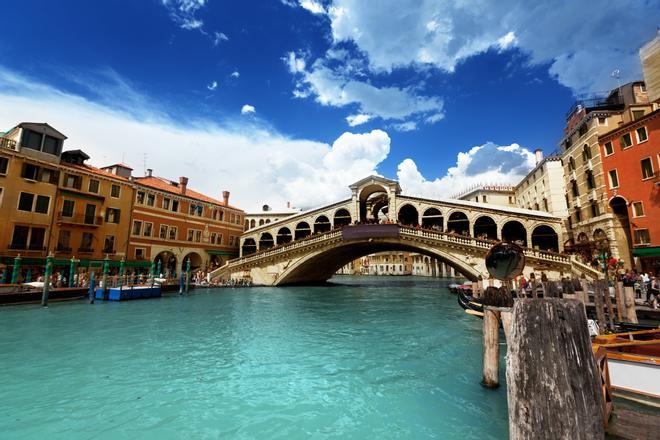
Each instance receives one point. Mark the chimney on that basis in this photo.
(225, 198)
(149, 172)
(539, 155)
(183, 183)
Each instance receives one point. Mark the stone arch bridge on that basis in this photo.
(311, 246)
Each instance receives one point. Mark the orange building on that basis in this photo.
(172, 223)
(631, 167)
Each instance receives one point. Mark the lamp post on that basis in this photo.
(49, 267)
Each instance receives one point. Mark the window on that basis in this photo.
(30, 172)
(536, 206)
(115, 190)
(638, 209)
(172, 234)
(93, 186)
(213, 237)
(151, 200)
(578, 216)
(602, 121)
(545, 205)
(139, 253)
(86, 242)
(594, 209)
(591, 182)
(112, 215)
(109, 244)
(25, 202)
(71, 181)
(483, 199)
(232, 218)
(571, 164)
(163, 232)
(51, 146)
(609, 149)
(139, 198)
(90, 214)
(42, 204)
(637, 114)
(586, 152)
(219, 239)
(582, 130)
(4, 164)
(511, 202)
(574, 188)
(614, 179)
(37, 236)
(642, 136)
(64, 241)
(191, 234)
(647, 168)
(231, 240)
(67, 208)
(137, 227)
(32, 140)
(642, 236)
(625, 141)
(2, 191)
(166, 203)
(198, 236)
(221, 215)
(148, 227)
(175, 206)
(19, 239)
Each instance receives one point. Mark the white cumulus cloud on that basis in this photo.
(480, 165)
(212, 86)
(219, 37)
(359, 119)
(247, 109)
(235, 74)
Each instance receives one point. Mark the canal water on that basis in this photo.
(364, 358)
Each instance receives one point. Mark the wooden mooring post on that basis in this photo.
(629, 303)
(620, 306)
(553, 384)
(491, 352)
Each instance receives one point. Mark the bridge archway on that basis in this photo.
(408, 215)
(266, 241)
(485, 227)
(342, 218)
(322, 224)
(321, 265)
(302, 230)
(515, 232)
(432, 219)
(249, 247)
(545, 238)
(458, 223)
(283, 236)
(372, 198)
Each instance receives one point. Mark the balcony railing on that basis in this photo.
(7, 143)
(80, 219)
(612, 101)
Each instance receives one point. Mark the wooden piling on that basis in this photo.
(598, 302)
(629, 303)
(584, 293)
(608, 303)
(491, 348)
(553, 384)
(618, 292)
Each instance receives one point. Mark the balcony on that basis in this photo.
(612, 101)
(7, 143)
(573, 175)
(80, 219)
(576, 202)
(593, 195)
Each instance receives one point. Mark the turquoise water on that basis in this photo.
(369, 358)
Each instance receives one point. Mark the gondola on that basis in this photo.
(469, 303)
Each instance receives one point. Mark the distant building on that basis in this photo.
(631, 165)
(502, 195)
(544, 188)
(649, 55)
(590, 225)
(172, 223)
(267, 215)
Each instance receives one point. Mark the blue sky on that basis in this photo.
(292, 100)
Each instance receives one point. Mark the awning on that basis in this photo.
(31, 261)
(647, 252)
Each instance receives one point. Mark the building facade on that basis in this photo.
(502, 195)
(631, 165)
(590, 224)
(172, 223)
(544, 188)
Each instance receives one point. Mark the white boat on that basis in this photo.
(633, 361)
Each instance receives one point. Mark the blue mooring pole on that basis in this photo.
(187, 275)
(49, 267)
(181, 283)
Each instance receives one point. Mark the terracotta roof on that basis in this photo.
(94, 170)
(167, 186)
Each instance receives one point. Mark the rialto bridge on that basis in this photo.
(311, 246)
